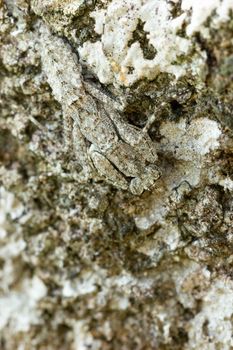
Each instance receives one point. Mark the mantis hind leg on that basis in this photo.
(81, 151)
(105, 168)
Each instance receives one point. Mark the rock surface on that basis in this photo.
(84, 264)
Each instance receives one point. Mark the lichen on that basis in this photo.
(83, 264)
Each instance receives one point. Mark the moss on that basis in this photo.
(139, 268)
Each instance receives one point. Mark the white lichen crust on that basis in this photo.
(115, 59)
(116, 182)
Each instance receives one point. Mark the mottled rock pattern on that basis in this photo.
(85, 265)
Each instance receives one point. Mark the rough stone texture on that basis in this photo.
(85, 265)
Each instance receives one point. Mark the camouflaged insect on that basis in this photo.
(102, 140)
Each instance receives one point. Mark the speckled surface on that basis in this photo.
(85, 265)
